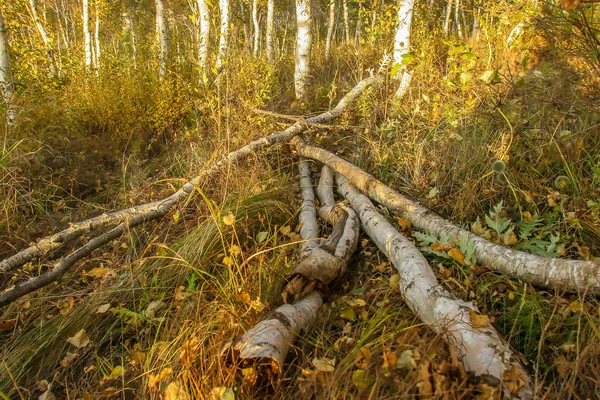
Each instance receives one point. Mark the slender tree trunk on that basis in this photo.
(359, 28)
(346, 20)
(402, 43)
(457, 18)
(223, 38)
(330, 29)
(447, 19)
(204, 36)
(6, 79)
(270, 31)
(97, 36)
(45, 36)
(303, 47)
(162, 35)
(256, 27)
(87, 38)
(476, 28)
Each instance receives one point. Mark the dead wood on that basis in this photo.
(479, 346)
(159, 208)
(561, 274)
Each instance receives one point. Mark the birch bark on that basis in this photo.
(330, 28)
(97, 36)
(270, 31)
(303, 48)
(402, 43)
(480, 348)
(44, 34)
(561, 274)
(256, 26)
(204, 20)
(222, 54)
(346, 20)
(6, 79)
(87, 37)
(162, 35)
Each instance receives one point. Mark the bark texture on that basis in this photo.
(44, 34)
(256, 28)
(270, 31)
(346, 20)
(6, 80)
(480, 348)
(303, 48)
(330, 29)
(224, 34)
(159, 208)
(162, 35)
(402, 43)
(561, 274)
(87, 37)
(204, 20)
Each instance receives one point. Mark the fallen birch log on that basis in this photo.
(561, 274)
(161, 207)
(480, 348)
(265, 346)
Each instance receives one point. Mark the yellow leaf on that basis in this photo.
(514, 379)
(479, 320)
(175, 392)
(154, 380)
(250, 376)
(363, 358)
(355, 302)
(348, 314)
(103, 308)
(227, 261)
(457, 255)
(437, 246)
(575, 306)
(80, 339)
(361, 379)
(229, 219)
(243, 297)
(235, 250)
(395, 280)
(404, 223)
(98, 272)
(324, 364)
(116, 373)
(390, 359)
(285, 230)
(138, 357)
(176, 217)
(68, 360)
(509, 238)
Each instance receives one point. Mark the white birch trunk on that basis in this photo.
(6, 79)
(270, 31)
(402, 43)
(481, 349)
(162, 35)
(515, 33)
(330, 29)
(97, 36)
(204, 21)
(303, 48)
(346, 20)
(87, 37)
(222, 55)
(457, 18)
(256, 26)
(560, 274)
(447, 19)
(44, 34)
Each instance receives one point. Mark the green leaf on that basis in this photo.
(395, 70)
(261, 236)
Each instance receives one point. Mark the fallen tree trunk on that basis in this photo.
(480, 347)
(561, 274)
(161, 207)
(265, 346)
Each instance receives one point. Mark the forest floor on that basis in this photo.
(159, 304)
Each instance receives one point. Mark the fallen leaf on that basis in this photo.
(509, 238)
(47, 395)
(235, 250)
(8, 324)
(395, 281)
(138, 357)
(80, 339)
(181, 294)
(189, 351)
(65, 305)
(362, 379)
(249, 376)
(243, 297)
(406, 361)
(563, 367)
(514, 379)
(478, 320)
(575, 306)
(103, 308)
(175, 392)
(424, 385)
(153, 308)
(457, 255)
(116, 373)
(285, 230)
(97, 272)
(68, 360)
(437, 246)
(363, 358)
(348, 314)
(227, 261)
(261, 236)
(154, 380)
(324, 364)
(390, 359)
(404, 223)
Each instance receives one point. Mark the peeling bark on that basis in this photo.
(160, 207)
(303, 48)
(561, 274)
(481, 348)
(267, 344)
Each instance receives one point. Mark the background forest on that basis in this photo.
(488, 113)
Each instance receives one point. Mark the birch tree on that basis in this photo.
(270, 40)
(204, 21)
(303, 47)
(402, 43)
(330, 29)
(346, 20)
(223, 36)
(87, 38)
(44, 34)
(162, 35)
(6, 80)
(256, 26)
(97, 36)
